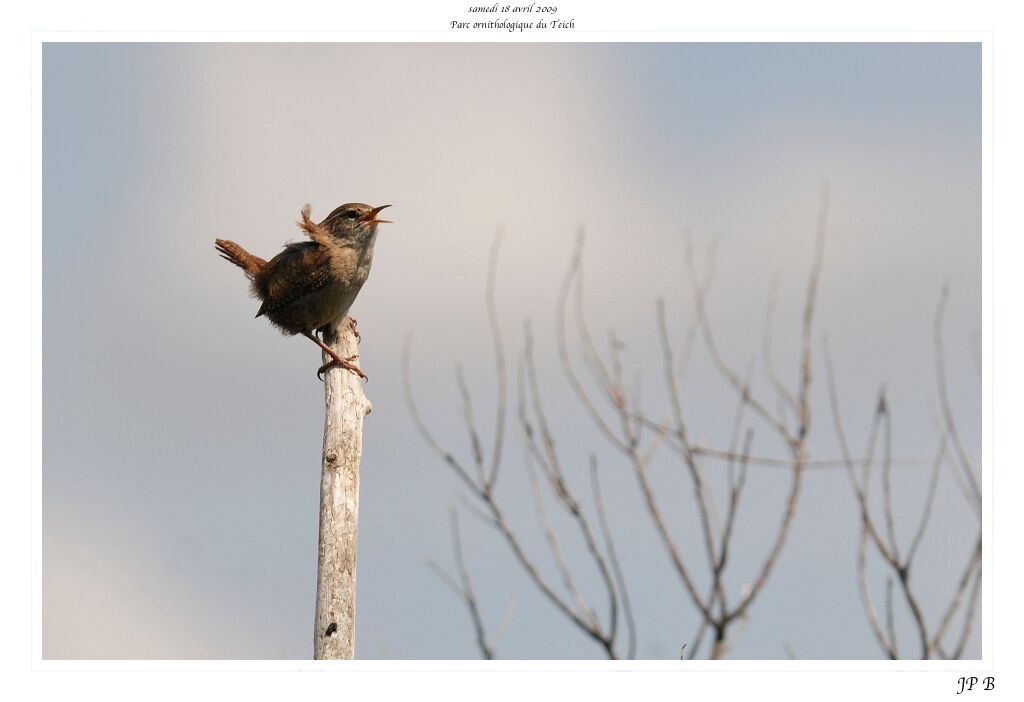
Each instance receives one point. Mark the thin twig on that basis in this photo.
(797, 443)
(702, 497)
(890, 623)
(860, 488)
(557, 554)
(929, 501)
(809, 464)
(947, 412)
(550, 464)
(483, 490)
(890, 520)
(974, 562)
(499, 361)
(972, 602)
(465, 589)
(865, 596)
(421, 427)
(467, 418)
(734, 501)
(626, 444)
(724, 369)
(582, 623)
(502, 627)
(563, 347)
(613, 558)
(766, 350)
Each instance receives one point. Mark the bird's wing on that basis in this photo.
(300, 270)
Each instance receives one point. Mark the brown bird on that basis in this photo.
(311, 285)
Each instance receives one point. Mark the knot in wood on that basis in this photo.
(331, 457)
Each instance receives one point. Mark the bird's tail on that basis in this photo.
(240, 257)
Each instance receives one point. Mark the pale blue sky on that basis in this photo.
(181, 437)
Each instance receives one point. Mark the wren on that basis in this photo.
(311, 285)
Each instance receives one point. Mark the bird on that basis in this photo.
(310, 286)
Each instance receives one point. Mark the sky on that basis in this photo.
(182, 437)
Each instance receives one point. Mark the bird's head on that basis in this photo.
(354, 221)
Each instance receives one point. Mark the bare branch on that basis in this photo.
(640, 472)
(563, 349)
(531, 570)
(972, 602)
(557, 554)
(706, 624)
(421, 427)
(797, 444)
(620, 579)
(627, 443)
(889, 550)
(859, 488)
(808, 318)
(698, 638)
(973, 563)
(597, 378)
(550, 464)
(735, 493)
(669, 372)
(705, 501)
(503, 625)
(890, 623)
(465, 589)
(499, 361)
(890, 523)
(741, 388)
(865, 596)
(446, 578)
(929, 501)
(467, 418)
(808, 464)
(789, 512)
(915, 611)
(766, 351)
(485, 518)
(947, 412)
(483, 490)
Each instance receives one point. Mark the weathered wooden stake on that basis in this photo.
(346, 404)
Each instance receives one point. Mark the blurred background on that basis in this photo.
(182, 437)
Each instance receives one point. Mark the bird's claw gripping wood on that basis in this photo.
(352, 325)
(345, 363)
(336, 360)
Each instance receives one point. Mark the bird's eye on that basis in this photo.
(352, 214)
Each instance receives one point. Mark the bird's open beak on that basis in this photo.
(371, 216)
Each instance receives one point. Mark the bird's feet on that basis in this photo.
(336, 360)
(345, 363)
(351, 321)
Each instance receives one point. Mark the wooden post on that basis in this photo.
(346, 404)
